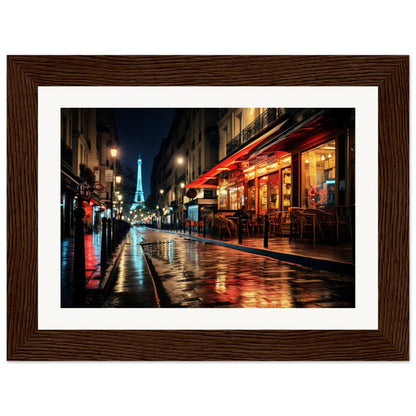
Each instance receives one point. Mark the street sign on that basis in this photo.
(97, 173)
(109, 175)
(191, 194)
(99, 188)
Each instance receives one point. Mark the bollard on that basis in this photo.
(266, 231)
(79, 257)
(240, 231)
(109, 249)
(113, 246)
(104, 245)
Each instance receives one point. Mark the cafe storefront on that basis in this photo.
(309, 164)
(260, 188)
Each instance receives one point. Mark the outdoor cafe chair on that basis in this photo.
(246, 226)
(257, 225)
(294, 230)
(311, 223)
(330, 224)
(343, 220)
(225, 226)
(231, 227)
(276, 223)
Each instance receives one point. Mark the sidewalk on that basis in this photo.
(92, 266)
(334, 258)
(133, 284)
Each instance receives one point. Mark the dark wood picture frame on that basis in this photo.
(26, 73)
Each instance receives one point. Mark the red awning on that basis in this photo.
(230, 163)
(275, 140)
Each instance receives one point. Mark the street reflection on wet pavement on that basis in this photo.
(134, 286)
(196, 274)
(92, 245)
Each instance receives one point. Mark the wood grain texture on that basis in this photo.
(389, 73)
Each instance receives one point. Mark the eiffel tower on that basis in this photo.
(139, 195)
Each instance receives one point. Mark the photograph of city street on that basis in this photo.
(207, 208)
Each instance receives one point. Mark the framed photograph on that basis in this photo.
(308, 153)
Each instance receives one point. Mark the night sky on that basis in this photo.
(140, 131)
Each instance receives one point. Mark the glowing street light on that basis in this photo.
(113, 154)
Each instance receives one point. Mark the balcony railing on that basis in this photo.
(66, 153)
(265, 118)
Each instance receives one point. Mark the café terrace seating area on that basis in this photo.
(325, 233)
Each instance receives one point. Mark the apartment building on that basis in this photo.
(86, 137)
(277, 158)
(189, 151)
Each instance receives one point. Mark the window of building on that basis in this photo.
(224, 135)
(318, 176)
(233, 192)
(199, 161)
(238, 124)
(274, 191)
(251, 195)
(208, 194)
(223, 200)
(193, 212)
(286, 188)
(263, 185)
(240, 195)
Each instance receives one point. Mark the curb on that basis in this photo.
(99, 294)
(312, 262)
(162, 298)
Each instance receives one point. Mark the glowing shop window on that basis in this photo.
(318, 176)
(263, 193)
(286, 188)
(274, 191)
(251, 197)
(233, 197)
(223, 193)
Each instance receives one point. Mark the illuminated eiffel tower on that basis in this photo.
(139, 195)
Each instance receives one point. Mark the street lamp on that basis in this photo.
(118, 181)
(119, 197)
(113, 153)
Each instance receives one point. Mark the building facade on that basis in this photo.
(189, 151)
(277, 158)
(86, 137)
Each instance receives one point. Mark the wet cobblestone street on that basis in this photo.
(196, 274)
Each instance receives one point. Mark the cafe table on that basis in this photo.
(311, 218)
